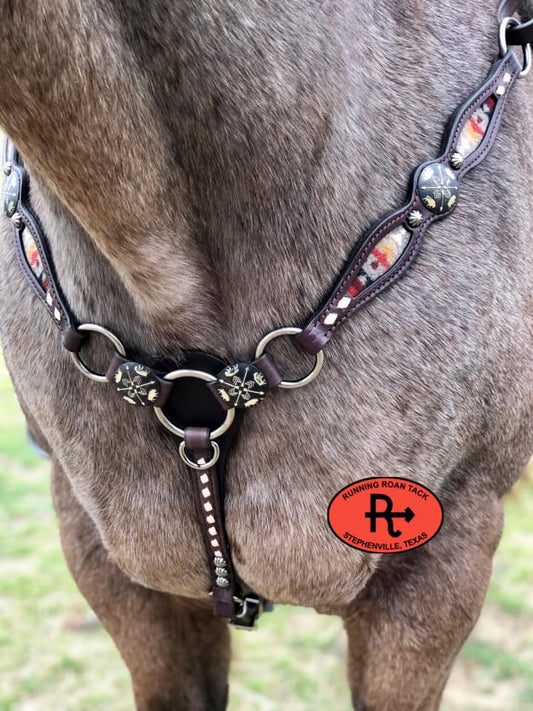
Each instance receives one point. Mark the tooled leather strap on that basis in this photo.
(390, 247)
(230, 597)
(32, 249)
(521, 34)
(210, 513)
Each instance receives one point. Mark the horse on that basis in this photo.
(202, 170)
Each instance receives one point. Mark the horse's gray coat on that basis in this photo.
(202, 170)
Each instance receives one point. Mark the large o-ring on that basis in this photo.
(208, 378)
(196, 465)
(504, 47)
(94, 328)
(291, 331)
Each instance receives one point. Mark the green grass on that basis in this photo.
(53, 656)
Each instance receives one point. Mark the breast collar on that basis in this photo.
(198, 401)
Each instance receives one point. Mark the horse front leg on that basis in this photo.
(176, 651)
(411, 621)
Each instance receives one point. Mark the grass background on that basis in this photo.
(54, 655)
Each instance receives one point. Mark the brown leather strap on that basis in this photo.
(211, 518)
(520, 34)
(32, 251)
(269, 368)
(341, 304)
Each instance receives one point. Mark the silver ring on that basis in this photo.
(504, 46)
(208, 378)
(201, 464)
(93, 328)
(291, 331)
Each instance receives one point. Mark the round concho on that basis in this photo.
(241, 385)
(438, 188)
(10, 193)
(136, 384)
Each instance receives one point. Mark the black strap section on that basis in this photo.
(520, 34)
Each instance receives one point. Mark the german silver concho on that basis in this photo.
(438, 188)
(136, 384)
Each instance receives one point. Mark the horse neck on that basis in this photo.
(207, 163)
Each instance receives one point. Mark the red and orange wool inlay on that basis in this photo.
(476, 127)
(382, 258)
(34, 260)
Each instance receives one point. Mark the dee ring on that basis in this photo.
(208, 378)
(291, 331)
(201, 464)
(94, 328)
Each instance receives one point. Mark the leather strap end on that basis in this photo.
(312, 339)
(72, 339)
(223, 605)
(269, 368)
(116, 361)
(213, 389)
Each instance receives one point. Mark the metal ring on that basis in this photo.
(92, 327)
(504, 46)
(291, 331)
(197, 465)
(208, 378)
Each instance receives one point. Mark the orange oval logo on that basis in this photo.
(385, 515)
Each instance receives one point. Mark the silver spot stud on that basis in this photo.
(222, 572)
(220, 562)
(414, 218)
(456, 160)
(17, 220)
(222, 582)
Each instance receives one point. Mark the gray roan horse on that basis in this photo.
(202, 170)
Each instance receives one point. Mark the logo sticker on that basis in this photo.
(385, 515)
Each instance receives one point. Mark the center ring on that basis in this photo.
(291, 331)
(200, 375)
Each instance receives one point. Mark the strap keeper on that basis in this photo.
(198, 443)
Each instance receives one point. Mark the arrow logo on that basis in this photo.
(387, 513)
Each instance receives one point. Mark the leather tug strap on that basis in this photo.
(204, 417)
